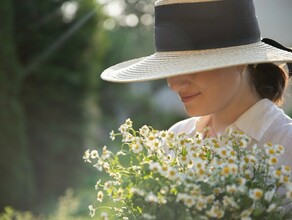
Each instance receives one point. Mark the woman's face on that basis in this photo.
(210, 92)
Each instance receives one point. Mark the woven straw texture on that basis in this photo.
(165, 64)
(169, 2)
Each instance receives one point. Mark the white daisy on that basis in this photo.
(91, 211)
(256, 194)
(100, 196)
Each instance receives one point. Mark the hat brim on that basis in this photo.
(166, 64)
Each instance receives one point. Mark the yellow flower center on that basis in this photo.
(172, 173)
(274, 160)
(226, 171)
(278, 172)
(224, 152)
(258, 194)
(201, 172)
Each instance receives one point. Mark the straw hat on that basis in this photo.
(200, 35)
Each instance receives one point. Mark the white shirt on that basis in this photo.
(264, 122)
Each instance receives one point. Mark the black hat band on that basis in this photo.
(205, 25)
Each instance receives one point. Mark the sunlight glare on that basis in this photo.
(132, 20)
(109, 24)
(114, 9)
(68, 10)
(102, 2)
(147, 19)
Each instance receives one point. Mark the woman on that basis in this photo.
(212, 55)
(242, 97)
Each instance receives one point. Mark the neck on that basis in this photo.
(219, 121)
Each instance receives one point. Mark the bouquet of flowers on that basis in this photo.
(160, 175)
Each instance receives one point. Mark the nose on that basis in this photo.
(178, 83)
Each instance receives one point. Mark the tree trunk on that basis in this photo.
(15, 164)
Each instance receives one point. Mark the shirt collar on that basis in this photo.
(256, 120)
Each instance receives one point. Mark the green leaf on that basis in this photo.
(206, 188)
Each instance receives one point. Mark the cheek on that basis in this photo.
(221, 92)
(216, 93)
(222, 89)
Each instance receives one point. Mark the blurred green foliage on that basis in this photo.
(53, 104)
(45, 77)
(53, 96)
(15, 165)
(67, 208)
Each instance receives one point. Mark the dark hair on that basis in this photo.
(269, 81)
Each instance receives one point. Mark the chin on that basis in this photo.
(193, 113)
(196, 112)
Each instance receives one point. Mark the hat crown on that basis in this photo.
(204, 24)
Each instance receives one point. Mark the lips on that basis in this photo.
(186, 98)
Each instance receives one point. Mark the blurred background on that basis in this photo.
(53, 105)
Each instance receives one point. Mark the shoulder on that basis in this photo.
(280, 131)
(283, 124)
(187, 125)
